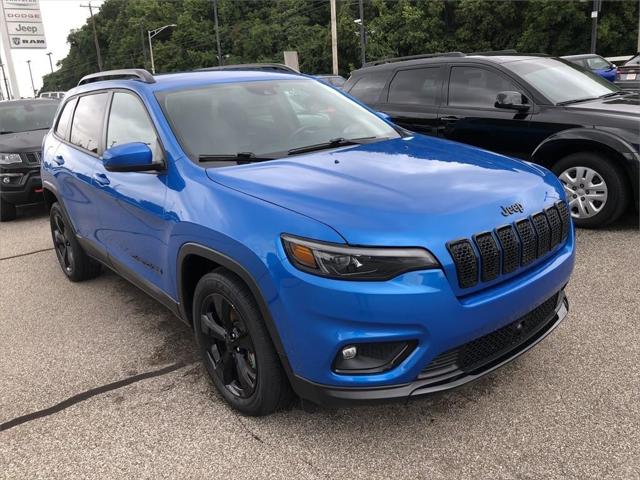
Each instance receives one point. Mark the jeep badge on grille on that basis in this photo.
(511, 209)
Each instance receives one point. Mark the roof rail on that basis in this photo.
(125, 74)
(495, 52)
(413, 57)
(269, 67)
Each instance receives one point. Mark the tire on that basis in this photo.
(7, 211)
(75, 263)
(235, 346)
(608, 196)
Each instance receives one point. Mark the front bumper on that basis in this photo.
(24, 186)
(455, 377)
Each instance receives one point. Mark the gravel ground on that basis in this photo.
(568, 409)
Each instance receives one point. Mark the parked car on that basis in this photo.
(335, 80)
(595, 63)
(533, 107)
(23, 125)
(629, 74)
(323, 251)
(54, 95)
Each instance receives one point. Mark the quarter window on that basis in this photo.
(64, 121)
(129, 122)
(86, 128)
(368, 88)
(417, 86)
(476, 87)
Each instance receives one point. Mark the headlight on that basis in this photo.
(355, 263)
(7, 158)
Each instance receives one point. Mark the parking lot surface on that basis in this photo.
(100, 381)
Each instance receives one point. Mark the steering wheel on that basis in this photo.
(298, 131)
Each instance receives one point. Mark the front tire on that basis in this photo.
(236, 348)
(75, 263)
(595, 187)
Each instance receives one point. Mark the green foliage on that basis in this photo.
(260, 30)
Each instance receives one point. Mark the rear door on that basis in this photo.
(133, 229)
(413, 98)
(78, 158)
(468, 115)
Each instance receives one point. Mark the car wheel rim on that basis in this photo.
(228, 346)
(586, 191)
(63, 247)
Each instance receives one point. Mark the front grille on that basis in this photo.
(485, 350)
(33, 158)
(510, 247)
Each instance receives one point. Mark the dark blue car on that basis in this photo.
(595, 63)
(314, 247)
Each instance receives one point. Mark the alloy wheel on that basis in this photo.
(64, 249)
(229, 348)
(586, 191)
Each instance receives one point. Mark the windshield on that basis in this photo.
(266, 118)
(24, 117)
(561, 81)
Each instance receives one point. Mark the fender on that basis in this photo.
(230, 264)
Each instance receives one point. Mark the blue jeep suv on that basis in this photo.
(314, 247)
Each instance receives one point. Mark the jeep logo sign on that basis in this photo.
(23, 23)
(511, 209)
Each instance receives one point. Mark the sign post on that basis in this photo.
(21, 28)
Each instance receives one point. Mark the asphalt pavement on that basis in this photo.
(97, 380)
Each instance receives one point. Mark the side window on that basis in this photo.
(476, 87)
(419, 86)
(129, 122)
(369, 87)
(86, 128)
(64, 120)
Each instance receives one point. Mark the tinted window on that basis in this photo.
(369, 87)
(86, 128)
(129, 122)
(418, 86)
(476, 87)
(27, 116)
(64, 121)
(598, 63)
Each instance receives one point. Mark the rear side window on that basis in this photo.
(419, 86)
(476, 87)
(129, 122)
(369, 87)
(86, 129)
(64, 121)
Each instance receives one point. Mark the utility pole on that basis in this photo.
(95, 34)
(334, 37)
(6, 84)
(31, 77)
(215, 17)
(50, 62)
(594, 24)
(363, 55)
(150, 35)
(144, 48)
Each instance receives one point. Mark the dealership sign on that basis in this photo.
(23, 22)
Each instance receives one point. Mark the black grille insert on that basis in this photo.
(556, 225)
(563, 210)
(544, 233)
(466, 262)
(528, 241)
(489, 256)
(510, 248)
(33, 158)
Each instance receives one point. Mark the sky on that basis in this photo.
(59, 18)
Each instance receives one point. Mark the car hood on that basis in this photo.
(22, 141)
(628, 105)
(414, 191)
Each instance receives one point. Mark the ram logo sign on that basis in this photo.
(23, 21)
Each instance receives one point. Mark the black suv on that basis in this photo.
(534, 107)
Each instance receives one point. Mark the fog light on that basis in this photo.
(6, 180)
(349, 352)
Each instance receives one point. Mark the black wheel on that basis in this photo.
(75, 263)
(7, 211)
(235, 346)
(596, 188)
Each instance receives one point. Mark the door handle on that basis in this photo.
(450, 118)
(59, 159)
(101, 179)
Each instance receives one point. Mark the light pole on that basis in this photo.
(50, 63)
(4, 78)
(150, 35)
(215, 16)
(31, 76)
(360, 22)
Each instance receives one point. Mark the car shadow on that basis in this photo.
(30, 212)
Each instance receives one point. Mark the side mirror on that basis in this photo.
(512, 101)
(384, 116)
(129, 157)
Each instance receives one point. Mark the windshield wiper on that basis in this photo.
(613, 94)
(567, 102)
(3, 132)
(244, 157)
(333, 143)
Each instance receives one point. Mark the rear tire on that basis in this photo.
(75, 263)
(596, 188)
(7, 211)
(236, 348)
